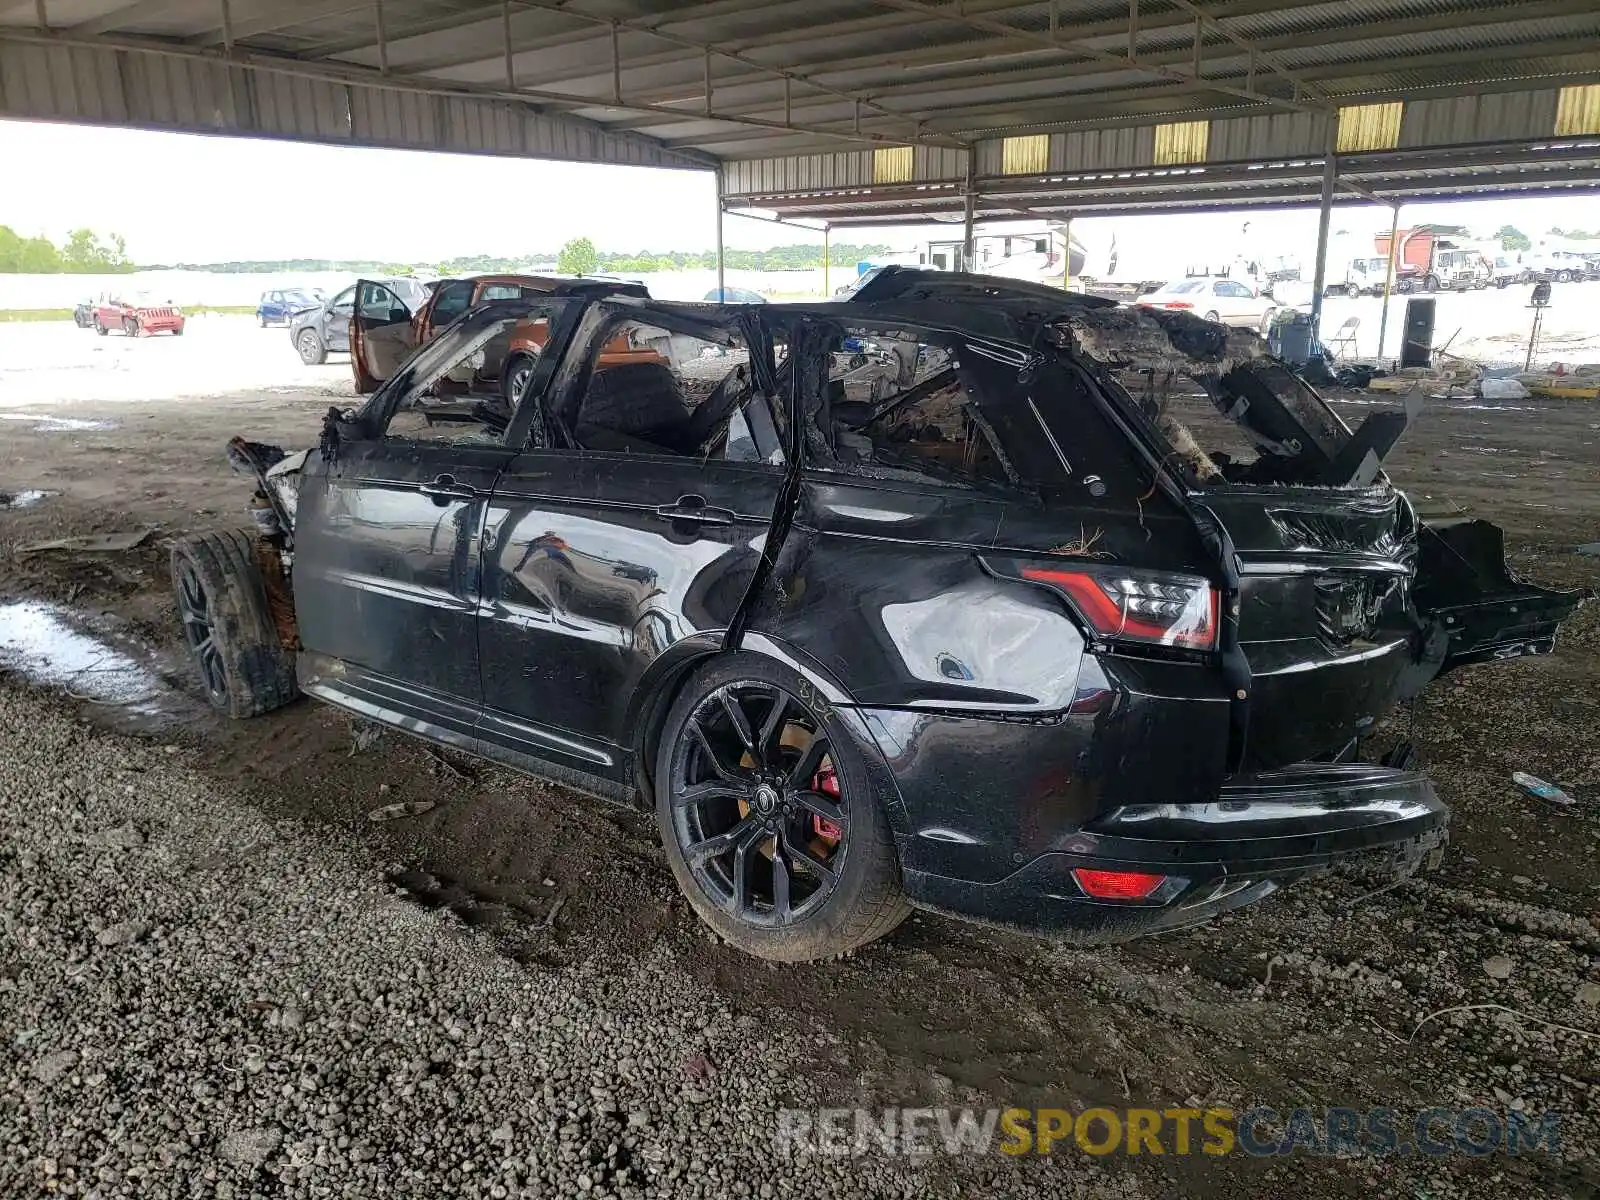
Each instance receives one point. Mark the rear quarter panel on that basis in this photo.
(1000, 725)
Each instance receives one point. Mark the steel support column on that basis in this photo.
(721, 296)
(827, 260)
(1388, 280)
(970, 211)
(1330, 171)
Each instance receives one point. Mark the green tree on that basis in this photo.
(1512, 238)
(577, 257)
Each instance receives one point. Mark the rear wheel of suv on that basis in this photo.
(312, 351)
(99, 328)
(1214, 318)
(243, 666)
(768, 818)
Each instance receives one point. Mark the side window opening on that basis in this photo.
(452, 300)
(656, 391)
(455, 395)
(899, 406)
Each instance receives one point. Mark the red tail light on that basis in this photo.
(1140, 606)
(1117, 885)
(1177, 304)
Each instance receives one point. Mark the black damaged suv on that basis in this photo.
(922, 598)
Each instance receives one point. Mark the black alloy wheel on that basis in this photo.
(199, 630)
(756, 804)
(228, 626)
(768, 811)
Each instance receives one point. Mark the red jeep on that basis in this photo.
(136, 315)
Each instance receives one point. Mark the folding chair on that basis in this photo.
(1343, 343)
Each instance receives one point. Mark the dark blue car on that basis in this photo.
(279, 307)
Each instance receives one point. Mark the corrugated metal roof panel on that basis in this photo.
(1369, 126)
(802, 173)
(1026, 155)
(1179, 142)
(162, 91)
(1578, 111)
(952, 70)
(1492, 117)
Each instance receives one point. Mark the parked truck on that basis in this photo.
(1433, 258)
(1361, 277)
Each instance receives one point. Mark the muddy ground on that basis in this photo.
(1316, 998)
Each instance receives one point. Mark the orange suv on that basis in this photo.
(384, 332)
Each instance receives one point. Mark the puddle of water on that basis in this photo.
(43, 424)
(23, 499)
(37, 640)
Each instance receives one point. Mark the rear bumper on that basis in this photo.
(1259, 834)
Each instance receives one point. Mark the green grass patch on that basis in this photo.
(65, 314)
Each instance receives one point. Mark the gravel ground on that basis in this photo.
(203, 1001)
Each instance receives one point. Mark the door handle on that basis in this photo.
(695, 510)
(444, 489)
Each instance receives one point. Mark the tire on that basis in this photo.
(1431, 284)
(517, 369)
(1213, 318)
(130, 327)
(309, 343)
(99, 328)
(1563, 276)
(864, 900)
(243, 667)
(1502, 284)
(1266, 321)
(178, 332)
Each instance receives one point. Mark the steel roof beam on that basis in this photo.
(1081, 48)
(121, 16)
(721, 50)
(983, 52)
(354, 73)
(950, 87)
(281, 17)
(1203, 17)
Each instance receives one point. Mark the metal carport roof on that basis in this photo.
(1031, 108)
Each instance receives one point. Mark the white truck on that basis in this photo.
(1361, 277)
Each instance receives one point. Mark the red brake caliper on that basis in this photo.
(826, 781)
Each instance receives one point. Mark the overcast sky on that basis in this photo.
(178, 197)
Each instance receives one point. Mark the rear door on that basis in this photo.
(380, 335)
(637, 528)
